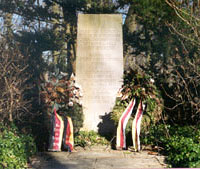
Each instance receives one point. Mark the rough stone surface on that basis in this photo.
(100, 159)
(99, 64)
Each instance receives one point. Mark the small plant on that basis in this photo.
(91, 138)
(15, 148)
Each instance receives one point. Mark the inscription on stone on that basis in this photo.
(99, 64)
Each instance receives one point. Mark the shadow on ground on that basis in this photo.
(60, 160)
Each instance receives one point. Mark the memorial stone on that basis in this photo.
(99, 64)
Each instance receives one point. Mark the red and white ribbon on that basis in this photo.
(136, 126)
(121, 137)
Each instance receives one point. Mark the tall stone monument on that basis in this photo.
(99, 64)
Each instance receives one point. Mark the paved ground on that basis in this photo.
(98, 158)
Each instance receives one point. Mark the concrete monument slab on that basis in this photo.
(99, 64)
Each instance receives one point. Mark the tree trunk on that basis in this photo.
(56, 28)
(70, 20)
(130, 26)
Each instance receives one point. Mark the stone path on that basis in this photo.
(98, 158)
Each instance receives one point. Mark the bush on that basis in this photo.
(15, 148)
(13, 82)
(179, 143)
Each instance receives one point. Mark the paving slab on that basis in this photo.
(99, 159)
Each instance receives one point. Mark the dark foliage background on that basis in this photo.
(161, 51)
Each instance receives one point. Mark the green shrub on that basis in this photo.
(84, 138)
(15, 148)
(183, 152)
(181, 144)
